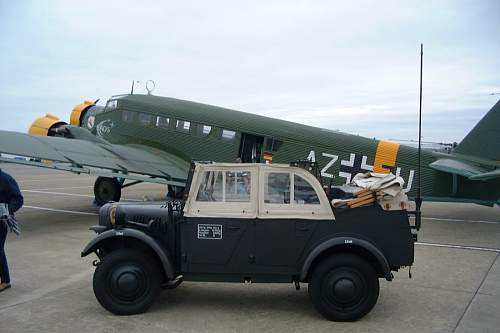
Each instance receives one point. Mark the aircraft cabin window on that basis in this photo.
(228, 135)
(145, 119)
(205, 130)
(128, 116)
(183, 126)
(277, 187)
(272, 144)
(303, 192)
(162, 122)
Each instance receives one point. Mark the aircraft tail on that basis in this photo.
(483, 141)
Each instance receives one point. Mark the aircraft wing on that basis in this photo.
(100, 158)
(471, 170)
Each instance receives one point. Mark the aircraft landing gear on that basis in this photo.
(107, 189)
(175, 192)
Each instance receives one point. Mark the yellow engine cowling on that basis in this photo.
(43, 125)
(78, 111)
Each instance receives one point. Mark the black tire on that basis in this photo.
(126, 282)
(344, 287)
(107, 190)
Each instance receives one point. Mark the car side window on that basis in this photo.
(210, 187)
(277, 187)
(238, 186)
(229, 186)
(303, 192)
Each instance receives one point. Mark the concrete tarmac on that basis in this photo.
(455, 285)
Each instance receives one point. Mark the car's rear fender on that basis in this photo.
(104, 239)
(347, 244)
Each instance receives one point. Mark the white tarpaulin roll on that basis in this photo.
(388, 185)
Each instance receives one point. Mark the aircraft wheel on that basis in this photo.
(106, 190)
(344, 287)
(126, 282)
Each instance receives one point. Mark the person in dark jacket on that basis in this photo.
(10, 195)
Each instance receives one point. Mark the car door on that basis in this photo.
(286, 219)
(217, 234)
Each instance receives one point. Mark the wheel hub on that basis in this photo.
(344, 290)
(106, 190)
(127, 283)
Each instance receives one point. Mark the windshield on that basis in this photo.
(111, 105)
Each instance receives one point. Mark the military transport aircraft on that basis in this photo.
(146, 138)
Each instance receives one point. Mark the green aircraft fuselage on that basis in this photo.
(194, 131)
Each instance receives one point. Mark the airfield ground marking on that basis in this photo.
(59, 193)
(462, 247)
(61, 210)
(56, 188)
(71, 194)
(458, 220)
(38, 179)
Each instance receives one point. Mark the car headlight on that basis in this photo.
(112, 214)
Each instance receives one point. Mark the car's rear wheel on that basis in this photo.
(344, 287)
(126, 282)
(107, 190)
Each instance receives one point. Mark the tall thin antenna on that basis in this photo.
(132, 90)
(418, 199)
(420, 116)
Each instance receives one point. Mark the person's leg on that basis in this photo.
(4, 268)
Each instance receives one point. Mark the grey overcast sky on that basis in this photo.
(346, 65)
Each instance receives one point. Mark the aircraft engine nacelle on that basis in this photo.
(51, 125)
(79, 111)
(46, 125)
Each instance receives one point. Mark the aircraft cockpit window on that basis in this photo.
(111, 105)
(145, 119)
(128, 116)
(228, 135)
(182, 125)
(162, 122)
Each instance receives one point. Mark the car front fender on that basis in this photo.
(349, 242)
(135, 234)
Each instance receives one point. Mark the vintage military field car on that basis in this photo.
(249, 223)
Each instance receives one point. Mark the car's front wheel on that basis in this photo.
(344, 287)
(126, 282)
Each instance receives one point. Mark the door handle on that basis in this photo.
(233, 227)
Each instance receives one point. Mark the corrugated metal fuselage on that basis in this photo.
(197, 131)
